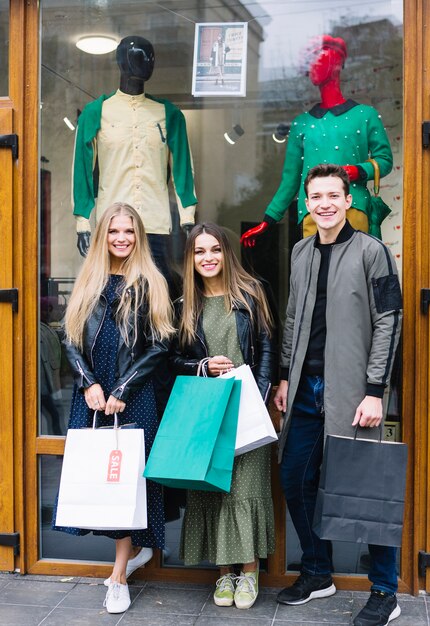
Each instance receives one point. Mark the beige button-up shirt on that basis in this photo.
(133, 161)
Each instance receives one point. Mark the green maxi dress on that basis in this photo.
(235, 527)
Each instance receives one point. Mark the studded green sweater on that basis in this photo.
(347, 134)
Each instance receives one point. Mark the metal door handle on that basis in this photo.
(10, 295)
(10, 141)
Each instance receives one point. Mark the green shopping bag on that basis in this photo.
(194, 445)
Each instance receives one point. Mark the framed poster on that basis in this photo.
(219, 67)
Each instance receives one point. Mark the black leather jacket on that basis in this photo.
(133, 363)
(258, 350)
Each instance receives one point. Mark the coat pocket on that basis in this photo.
(387, 293)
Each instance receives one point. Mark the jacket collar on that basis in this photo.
(345, 234)
(318, 111)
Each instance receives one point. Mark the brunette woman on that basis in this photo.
(118, 323)
(224, 317)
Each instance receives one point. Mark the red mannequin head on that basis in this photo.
(324, 57)
(325, 66)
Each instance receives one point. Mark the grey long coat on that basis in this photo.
(363, 319)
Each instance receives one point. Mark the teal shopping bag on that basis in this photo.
(194, 445)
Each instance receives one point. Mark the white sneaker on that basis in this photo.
(133, 564)
(117, 598)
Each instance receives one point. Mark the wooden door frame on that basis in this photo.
(22, 99)
(24, 73)
(416, 248)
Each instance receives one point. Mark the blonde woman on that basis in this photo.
(117, 325)
(224, 321)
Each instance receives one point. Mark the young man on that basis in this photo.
(340, 337)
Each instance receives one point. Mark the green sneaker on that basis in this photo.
(246, 590)
(224, 592)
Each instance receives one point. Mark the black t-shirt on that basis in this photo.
(314, 359)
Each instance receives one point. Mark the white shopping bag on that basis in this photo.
(102, 485)
(254, 426)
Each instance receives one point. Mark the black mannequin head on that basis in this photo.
(135, 58)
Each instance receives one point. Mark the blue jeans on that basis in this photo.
(300, 472)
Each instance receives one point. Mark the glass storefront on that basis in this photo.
(234, 182)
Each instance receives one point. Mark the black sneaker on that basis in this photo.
(307, 587)
(380, 610)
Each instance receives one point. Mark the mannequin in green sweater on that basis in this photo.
(335, 131)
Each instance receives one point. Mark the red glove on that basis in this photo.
(248, 238)
(352, 171)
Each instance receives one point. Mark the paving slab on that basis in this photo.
(21, 615)
(156, 600)
(336, 609)
(80, 617)
(34, 592)
(140, 619)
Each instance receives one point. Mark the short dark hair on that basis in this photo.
(327, 169)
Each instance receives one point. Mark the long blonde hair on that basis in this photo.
(141, 276)
(237, 284)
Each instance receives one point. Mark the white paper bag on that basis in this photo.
(102, 485)
(254, 426)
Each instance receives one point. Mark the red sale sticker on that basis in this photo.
(114, 466)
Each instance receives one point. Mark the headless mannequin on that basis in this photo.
(325, 64)
(135, 58)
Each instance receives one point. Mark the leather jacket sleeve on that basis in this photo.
(265, 368)
(153, 355)
(181, 362)
(82, 372)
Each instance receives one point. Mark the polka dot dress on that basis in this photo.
(140, 410)
(238, 526)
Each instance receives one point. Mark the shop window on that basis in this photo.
(234, 182)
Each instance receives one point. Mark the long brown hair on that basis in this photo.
(140, 275)
(237, 285)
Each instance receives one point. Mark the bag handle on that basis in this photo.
(377, 175)
(115, 426)
(115, 421)
(201, 370)
(379, 428)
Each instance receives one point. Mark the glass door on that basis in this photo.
(235, 181)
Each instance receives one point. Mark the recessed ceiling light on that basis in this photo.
(97, 45)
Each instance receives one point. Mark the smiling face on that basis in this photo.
(208, 257)
(121, 240)
(328, 204)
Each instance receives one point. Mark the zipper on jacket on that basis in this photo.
(252, 354)
(81, 371)
(266, 395)
(124, 384)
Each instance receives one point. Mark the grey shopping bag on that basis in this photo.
(361, 493)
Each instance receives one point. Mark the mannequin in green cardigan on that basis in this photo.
(335, 131)
(138, 140)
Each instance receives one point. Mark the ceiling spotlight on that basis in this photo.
(97, 45)
(234, 134)
(280, 135)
